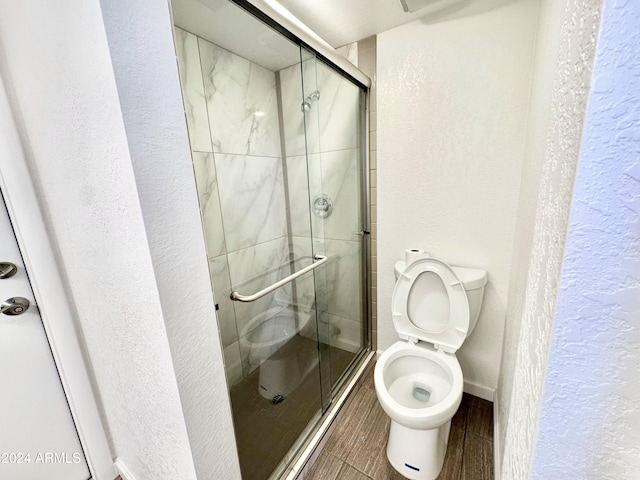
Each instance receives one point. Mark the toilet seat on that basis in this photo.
(430, 304)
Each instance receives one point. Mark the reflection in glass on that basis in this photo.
(271, 129)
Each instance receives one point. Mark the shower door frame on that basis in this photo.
(301, 450)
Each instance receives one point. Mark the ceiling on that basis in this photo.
(223, 23)
(338, 22)
(341, 22)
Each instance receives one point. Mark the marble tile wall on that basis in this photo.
(231, 107)
(330, 168)
(232, 117)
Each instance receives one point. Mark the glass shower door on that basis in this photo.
(278, 165)
(337, 211)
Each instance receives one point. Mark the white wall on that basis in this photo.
(539, 122)
(140, 38)
(590, 411)
(452, 108)
(562, 74)
(55, 62)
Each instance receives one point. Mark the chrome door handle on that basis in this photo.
(7, 270)
(14, 306)
(236, 297)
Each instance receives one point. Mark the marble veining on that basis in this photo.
(195, 104)
(251, 198)
(241, 101)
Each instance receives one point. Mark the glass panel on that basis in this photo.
(234, 92)
(276, 143)
(335, 166)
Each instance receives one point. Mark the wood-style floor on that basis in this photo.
(356, 448)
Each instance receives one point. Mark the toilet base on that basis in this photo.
(417, 454)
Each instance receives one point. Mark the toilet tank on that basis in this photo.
(474, 281)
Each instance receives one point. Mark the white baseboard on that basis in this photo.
(477, 390)
(123, 470)
(496, 440)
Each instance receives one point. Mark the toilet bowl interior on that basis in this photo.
(416, 382)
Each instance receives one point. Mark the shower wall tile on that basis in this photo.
(343, 278)
(338, 110)
(347, 332)
(221, 282)
(331, 173)
(311, 289)
(241, 101)
(340, 182)
(293, 117)
(297, 186)
(206, 183)
(331, 121)
(350, 52)
(195, 103)
(336, 285)
(254, 268)
(251, 198)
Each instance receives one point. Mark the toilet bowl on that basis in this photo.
(418, 380)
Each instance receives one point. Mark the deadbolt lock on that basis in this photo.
(14, 306)
(7, 270)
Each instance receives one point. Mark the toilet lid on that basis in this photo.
(429, 304)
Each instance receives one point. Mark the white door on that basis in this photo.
(38, 439)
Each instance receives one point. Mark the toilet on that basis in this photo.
(418, 380)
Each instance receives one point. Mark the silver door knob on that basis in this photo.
(14, 306)
(7, 269)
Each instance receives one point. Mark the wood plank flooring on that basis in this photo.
(356, 449)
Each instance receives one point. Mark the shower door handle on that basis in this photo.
(235, 296)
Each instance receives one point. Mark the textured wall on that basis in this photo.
(143, 55)
(590, 418)
(452, 106)
(532, 303)
(539, 121)
(56, 65)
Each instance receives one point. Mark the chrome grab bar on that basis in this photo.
(235, 296)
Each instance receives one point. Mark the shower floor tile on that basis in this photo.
(265, 432)
(357, 446)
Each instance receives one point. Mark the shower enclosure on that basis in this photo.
(278, 142)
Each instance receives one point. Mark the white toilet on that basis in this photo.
(418, 379)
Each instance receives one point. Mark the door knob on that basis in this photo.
(14, 306)
(7, 269)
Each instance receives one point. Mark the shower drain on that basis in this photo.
(277, 399)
